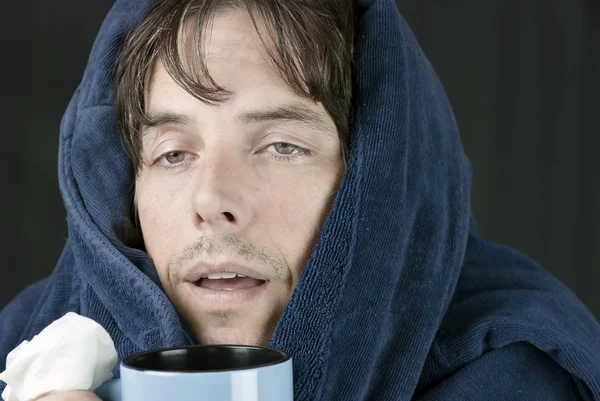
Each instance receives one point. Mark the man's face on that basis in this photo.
(239, 187)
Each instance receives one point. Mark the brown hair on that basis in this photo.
(310, 42)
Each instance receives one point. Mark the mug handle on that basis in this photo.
(110, 391)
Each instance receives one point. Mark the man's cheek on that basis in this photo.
(156, 228)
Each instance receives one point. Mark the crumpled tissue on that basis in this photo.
(72, 353)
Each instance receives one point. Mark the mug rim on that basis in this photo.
(127, 362)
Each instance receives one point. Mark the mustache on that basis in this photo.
(228, 244)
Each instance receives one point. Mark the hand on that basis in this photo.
(80, 395)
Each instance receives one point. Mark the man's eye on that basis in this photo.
(285, 148)
(175, 157)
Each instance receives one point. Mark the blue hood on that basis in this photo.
(400, 298)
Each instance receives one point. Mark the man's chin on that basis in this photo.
(231, 337)
(235, 323)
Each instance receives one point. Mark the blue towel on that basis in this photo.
(400, 299)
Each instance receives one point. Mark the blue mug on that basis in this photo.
(203, 373)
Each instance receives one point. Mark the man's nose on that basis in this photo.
(221, 201)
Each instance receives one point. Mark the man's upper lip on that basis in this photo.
(204, 269)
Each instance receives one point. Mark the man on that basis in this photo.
(275, 204)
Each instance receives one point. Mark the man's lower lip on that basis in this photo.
(206, 295)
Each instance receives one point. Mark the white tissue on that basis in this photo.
(72, 353)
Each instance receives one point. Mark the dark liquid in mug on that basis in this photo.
(206, 359)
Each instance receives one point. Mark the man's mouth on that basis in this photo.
(225, 281)
(225, 284)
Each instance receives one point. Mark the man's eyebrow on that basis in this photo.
(156, 118)
(294, 112)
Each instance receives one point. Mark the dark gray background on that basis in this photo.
(523, 77)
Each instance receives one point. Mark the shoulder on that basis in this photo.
(15, 316)
(515, 371)
(508, 315)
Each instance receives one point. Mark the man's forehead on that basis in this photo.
(232, 34)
